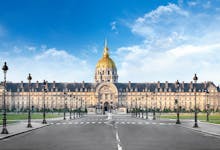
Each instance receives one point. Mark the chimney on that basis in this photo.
(205, 85)
(183, 84)
(22, 85)
(37, 84)
(158, 84)
(54, 84)
(129, 84)
(46, 85)
(191, 85)
(83, 84)
(166, 84)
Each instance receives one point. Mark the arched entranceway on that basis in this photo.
(106, 106)
(107, 97)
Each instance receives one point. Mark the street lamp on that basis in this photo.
(146, 107)
(45, 90)
(4, 119)
(154, 111)
(70, 107)
(195, 78)
(142, 109)
(77, 111)
(29, 101)
(64, 107)
(177, 103)
(80, 107)
(139, 109)
(207, 106)
(136, 108)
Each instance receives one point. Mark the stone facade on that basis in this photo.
(107, 93)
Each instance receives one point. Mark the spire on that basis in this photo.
(106, 48)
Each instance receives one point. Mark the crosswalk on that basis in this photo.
(103, 122)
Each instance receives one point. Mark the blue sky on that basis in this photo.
(149, 40)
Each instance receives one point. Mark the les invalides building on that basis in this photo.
(107, 94)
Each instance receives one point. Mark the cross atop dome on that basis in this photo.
(106, 49)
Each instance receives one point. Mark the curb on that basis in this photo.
(194, 129)
(1, 138)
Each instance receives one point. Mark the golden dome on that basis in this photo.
(106, 61)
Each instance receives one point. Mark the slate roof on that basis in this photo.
(122, 87)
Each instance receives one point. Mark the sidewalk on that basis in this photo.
(21, 126)
(204, 127)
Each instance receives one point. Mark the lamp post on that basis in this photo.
(80, 113)
(4, 119)
(142, 109)
(64, 106)
(74, 108)
(70, 107)
(154, 111)
(45, 90)
(136, 108)
(77, 110)
(146, 107)
(177, 103)
(207, 106)
(139, 109)
(29, 101)
(195, 78)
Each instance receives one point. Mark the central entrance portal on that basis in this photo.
(106, 106)
(107, 97)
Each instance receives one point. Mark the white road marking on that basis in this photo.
(118, 141)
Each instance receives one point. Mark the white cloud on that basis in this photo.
(30, 48)
(177, 42)
(94, 49)
(54, 53)
(114, 27)
(192, 3)
(16, 49)
(51, 64)
(207, 4)
(160, 27)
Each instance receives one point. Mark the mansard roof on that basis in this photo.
(122, 87)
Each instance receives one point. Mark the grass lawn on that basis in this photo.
(23, 116)
(213, 117)
(8, 121)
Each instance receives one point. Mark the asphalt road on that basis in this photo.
(118, 133)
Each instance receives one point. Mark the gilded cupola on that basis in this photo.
(106, 70)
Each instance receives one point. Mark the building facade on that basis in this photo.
(106, 93)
